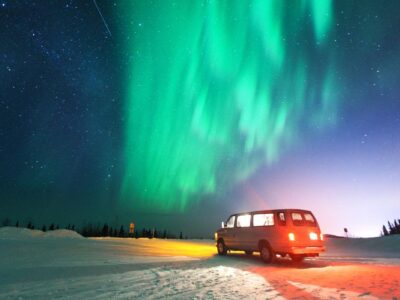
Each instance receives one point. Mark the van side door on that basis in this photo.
(229, 233)
(243, 238)
(263, 228)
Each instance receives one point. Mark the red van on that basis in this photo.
(293, 232)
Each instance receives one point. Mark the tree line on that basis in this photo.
(105, 230)
(98, 230)
(393, 228)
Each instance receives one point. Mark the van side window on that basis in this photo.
(231, 222)
(263, 220)
(243, 221)
(281, 218)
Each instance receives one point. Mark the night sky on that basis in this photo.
(176, 114)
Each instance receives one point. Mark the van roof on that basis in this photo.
(272, 210)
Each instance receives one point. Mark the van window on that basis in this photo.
(297, 217)
(303, 219)
(309, 217)
(281, 218)
(243, 221)
(231, 222)
(263, 220)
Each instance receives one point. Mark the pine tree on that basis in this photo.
(181, 236)
(390, 228)
(164, 236)
(29, 226)
(385, 231)
(396, 227)
(121, 231)
(44, 228)
(17, 224)
(51, 226)
(96, 231)
(104, 231)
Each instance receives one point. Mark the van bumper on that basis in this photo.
(307, 250)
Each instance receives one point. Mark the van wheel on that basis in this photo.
(221, 247)
(297, 257)
(266, 253)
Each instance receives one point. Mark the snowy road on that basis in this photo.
(76, 268)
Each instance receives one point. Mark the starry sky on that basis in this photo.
(176, 114)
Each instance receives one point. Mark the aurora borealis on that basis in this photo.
(221, 89)
(170, 113)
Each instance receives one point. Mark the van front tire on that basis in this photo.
(221, 248)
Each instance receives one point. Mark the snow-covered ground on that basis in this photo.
(62, 264)
(379, 247)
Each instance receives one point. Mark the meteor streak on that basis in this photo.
(101, 16)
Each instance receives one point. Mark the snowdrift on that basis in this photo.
(16, 233)
(387, 246)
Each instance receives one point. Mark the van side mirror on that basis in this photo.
(223, 224)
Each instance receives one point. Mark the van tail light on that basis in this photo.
(291, 237)
(313, 236)
(321, 236)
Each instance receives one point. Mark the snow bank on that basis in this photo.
(387, 246)
(63, 233)
(16, 233)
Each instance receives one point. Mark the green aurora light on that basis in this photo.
(216, 89)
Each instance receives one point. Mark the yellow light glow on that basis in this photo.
(161, 247)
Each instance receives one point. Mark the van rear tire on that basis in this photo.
(266, 253)
(221, 248)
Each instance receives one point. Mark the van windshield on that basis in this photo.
(303, 219)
